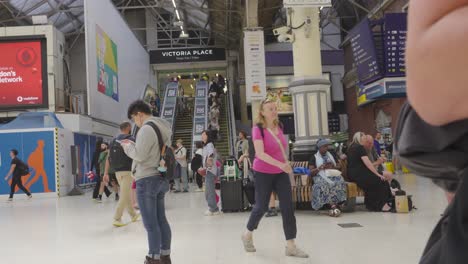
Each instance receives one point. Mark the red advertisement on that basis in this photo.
(22, 74)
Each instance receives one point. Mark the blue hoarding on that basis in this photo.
(37, 149)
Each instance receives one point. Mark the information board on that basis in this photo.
(395, 28)
(364, 53)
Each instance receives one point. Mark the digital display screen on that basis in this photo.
(23, 73)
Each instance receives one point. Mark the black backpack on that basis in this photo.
(197, 162)
(22, 168)
(119, 161)
(167, 154)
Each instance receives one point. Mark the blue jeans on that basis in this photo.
(210, 192)
(150, 193)
(184, 177)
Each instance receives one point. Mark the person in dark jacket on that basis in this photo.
(197, 163)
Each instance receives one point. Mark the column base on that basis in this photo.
(304, 149)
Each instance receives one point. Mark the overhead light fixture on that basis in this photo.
(182, 28)
(173, 2)
(177, 13)
(321, 8)
(191, 86)
(40, 20)
(183, 35)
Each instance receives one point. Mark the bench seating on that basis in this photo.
(302, 192)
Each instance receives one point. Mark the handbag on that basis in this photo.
(291, 174)
(439, 153)
(202, 171)
(332, 173)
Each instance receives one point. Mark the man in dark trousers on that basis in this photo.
(18, 169)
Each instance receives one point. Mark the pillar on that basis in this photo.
(251, 22)
(309, 88)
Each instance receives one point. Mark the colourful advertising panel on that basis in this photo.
(23, 73)
(107, 65)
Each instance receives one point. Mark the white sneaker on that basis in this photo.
(248, 244)
(296, 252)
(199, 190)
(10, 200)
(209, 213)
(29, 197)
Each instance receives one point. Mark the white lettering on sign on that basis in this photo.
(181, 53)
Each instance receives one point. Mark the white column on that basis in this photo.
(309, 88)
(252, 23)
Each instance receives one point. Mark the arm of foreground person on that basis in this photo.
(437, 61)
(140, 150)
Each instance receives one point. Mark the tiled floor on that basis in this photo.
(76, 230)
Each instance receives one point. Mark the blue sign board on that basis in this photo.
(386, 88)
(170, 102)
(395, 27)
(364, 53)
(201, 111)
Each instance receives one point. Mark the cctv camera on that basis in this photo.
(286, 38)
(281, 30)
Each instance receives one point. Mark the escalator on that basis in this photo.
(184, 125)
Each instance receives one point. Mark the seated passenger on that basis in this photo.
(361, 170)
(328, 189)
(374, 157)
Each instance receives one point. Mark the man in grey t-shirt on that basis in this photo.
(151, 186)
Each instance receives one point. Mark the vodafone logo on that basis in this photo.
(21, 99)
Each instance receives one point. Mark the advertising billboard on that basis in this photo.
(23, 73)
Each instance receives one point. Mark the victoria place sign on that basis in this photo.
(187, 55)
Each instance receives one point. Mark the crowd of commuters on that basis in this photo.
(438, 110)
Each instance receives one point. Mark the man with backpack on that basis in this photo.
(153, 166)
(121, 164)
(18, 169)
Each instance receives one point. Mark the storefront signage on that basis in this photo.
(364, 53)
(187, 55)
(255, 73)
(395, 27)
(306, 3)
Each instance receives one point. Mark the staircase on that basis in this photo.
(222, 145)
(183, 130)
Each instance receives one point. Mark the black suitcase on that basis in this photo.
(232, 195)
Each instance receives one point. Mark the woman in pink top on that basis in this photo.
(271, 174)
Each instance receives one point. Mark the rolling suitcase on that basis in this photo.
(232, 194)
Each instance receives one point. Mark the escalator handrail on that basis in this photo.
(231, 122)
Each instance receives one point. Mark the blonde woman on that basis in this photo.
(271, 174)
(361, 170)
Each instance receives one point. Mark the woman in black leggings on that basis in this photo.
(16, 170)
(272, 171)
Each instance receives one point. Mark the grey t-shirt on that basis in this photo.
(146, 152)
